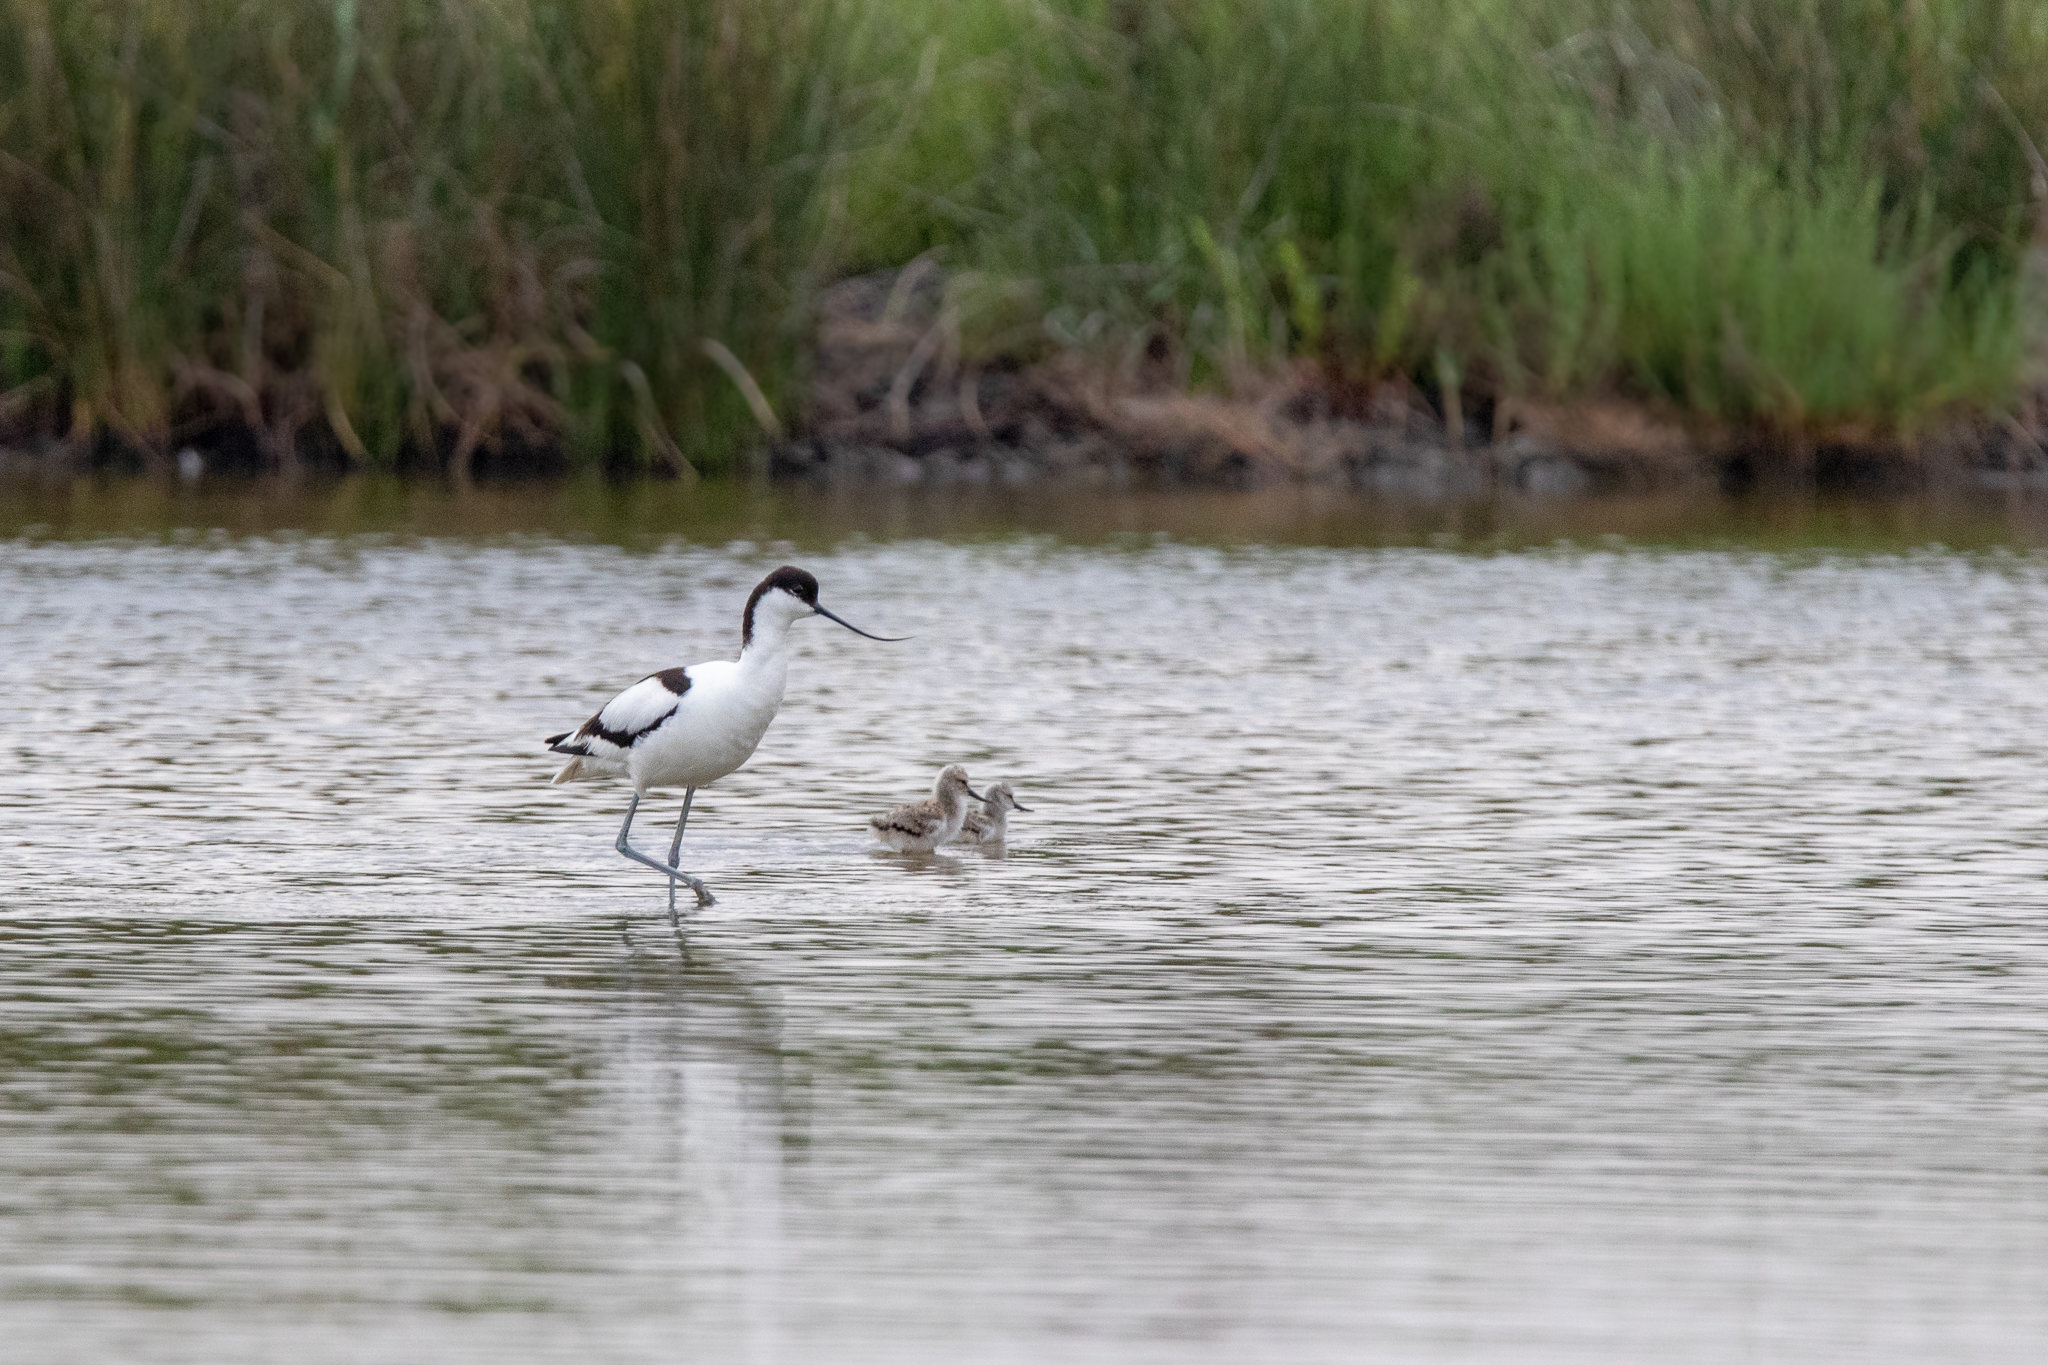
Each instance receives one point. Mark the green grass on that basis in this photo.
(1818, 226)
(413, 233)
(414, 229)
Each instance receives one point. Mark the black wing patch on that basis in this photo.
(639, 711)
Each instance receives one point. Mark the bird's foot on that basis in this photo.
(674, 875)
(703, 892)
(704, 896)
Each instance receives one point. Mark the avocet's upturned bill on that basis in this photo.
(688, 727)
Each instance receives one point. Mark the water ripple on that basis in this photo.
(1556, 955)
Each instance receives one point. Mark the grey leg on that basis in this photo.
(675, 848)
(704, 896)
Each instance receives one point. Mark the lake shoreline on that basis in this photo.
(895, 400)
(1058, 423)
(1058, 427)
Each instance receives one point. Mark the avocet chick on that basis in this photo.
(989, 824)
(922, 826)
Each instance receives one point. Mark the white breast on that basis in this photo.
(715, 729)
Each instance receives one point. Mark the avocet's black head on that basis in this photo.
(791, 594)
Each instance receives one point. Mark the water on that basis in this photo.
(1588, 953)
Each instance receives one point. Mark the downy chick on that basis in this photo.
(989, 824)
(923, 825)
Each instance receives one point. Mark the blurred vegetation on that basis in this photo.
(402, 232)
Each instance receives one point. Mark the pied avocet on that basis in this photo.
(688, 727)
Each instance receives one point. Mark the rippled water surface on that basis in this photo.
(1582, 953)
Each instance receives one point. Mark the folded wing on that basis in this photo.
(920, 820)
(626, 719)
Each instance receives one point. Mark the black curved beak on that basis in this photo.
(892, 639)
(1025, 809)
(976, 795)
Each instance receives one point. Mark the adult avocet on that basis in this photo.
(688, 727)
(922, 826)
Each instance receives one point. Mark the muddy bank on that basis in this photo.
(894, 401)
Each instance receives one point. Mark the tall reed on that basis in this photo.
(445, 232)
(396, 230)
